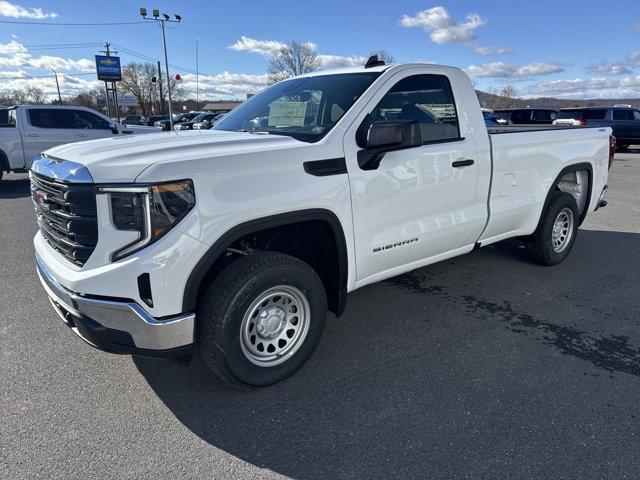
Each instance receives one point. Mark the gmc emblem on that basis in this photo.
(39, 197)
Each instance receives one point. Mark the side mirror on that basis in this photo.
(386, 136)
(114, 129)
(391, 135)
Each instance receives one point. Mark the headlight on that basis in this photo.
(149, 210)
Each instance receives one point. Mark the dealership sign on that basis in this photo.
(108, 68)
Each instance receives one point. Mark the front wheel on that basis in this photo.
(552, 241)
(261, 319)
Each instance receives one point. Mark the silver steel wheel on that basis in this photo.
(562, 230)
(275, 326)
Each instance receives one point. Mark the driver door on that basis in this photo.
(420, 202)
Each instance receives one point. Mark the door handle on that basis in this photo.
(462, 162)
(83, 135)
(33, 135)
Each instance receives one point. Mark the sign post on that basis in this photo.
(108, 69)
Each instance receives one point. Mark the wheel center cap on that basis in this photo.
(270, 322)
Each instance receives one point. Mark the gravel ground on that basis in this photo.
(484, 366)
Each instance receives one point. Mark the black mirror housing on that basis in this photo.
(389, 135)
(384, 136)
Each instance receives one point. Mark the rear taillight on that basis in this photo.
(612, 150)
(582, 122)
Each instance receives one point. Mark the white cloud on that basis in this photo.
(69, 86)
(597, 87)
(442, 28)
(607, 69)
(225, 84)
(15, 55)
(16, 11)
(512, 72)
(620, 67)
(268, 48)
(338, 61)
(11, 74)
(484, 50)
(263, 47)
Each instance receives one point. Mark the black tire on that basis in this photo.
(540, 244)
(221, 312)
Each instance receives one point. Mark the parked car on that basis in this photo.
(502, 116)
(33, 129)
(177, 118)
(203, 117)
(151, 121)
(205, 121)
(623, 120)
(134, 120)
(238, 241)
(491, 119)
(532, 116)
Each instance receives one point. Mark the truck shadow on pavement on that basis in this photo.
(14, 188)
(427, 371)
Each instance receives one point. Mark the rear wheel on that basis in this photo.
(261, 319)
(552, 241)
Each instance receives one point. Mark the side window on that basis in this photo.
(521, 116)
(592, 114)
(426, 98)
(542, 115)
(623, 114)
(636, 115)
(88, 120)
(50, 118)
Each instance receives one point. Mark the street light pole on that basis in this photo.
(166, 66)
(57, 85)
(166, 18)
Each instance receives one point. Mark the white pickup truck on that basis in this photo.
(32, 129)
(235, 241)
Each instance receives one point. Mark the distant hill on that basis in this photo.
(489, 100)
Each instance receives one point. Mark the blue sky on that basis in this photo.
(573, 49)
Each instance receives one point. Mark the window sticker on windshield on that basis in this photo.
(287, 114)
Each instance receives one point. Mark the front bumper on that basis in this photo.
(120, 326)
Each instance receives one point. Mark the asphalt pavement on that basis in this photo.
(483, 366)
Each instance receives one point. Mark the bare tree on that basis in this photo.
(35, 94)
(508, 94)
(383, 55)
(291, 60)
(136, 81)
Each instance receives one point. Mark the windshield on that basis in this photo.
(304, 108)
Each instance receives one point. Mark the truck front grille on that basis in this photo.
(67, 216)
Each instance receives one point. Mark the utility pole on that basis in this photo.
(160, 86)
(197, 79)
(57, 85)
(165, 18)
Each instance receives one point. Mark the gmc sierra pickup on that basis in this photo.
(235, 241)
(31, 129)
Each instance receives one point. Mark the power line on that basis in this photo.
(20, 22)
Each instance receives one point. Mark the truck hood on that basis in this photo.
(123, 158)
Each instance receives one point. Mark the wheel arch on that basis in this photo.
(4, 162)
(336, 296)
(576, 167)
